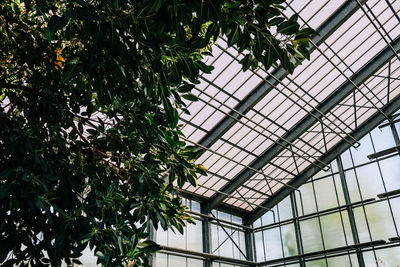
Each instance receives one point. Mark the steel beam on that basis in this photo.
(325, 30)
(303, 125)
(334, 152)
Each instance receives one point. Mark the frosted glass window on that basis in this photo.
(370, 180)
(362, 226)
(194, 236)
(317, 263)
(360, 153)
(346, 160)
(391, 172)
(88, 258)
(352, 185)
(307, 199)
(289, 240)
(333, 232)
(273, 245)
(340, 261)
(389, 256)
(369, 259)
(380, 221)
(311, 235)
(382, 138)
(285, 209)
(325, 193)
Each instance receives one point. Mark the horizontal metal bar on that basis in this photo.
(325, 252)
(389, 194)
(212, 257)
(384, 152)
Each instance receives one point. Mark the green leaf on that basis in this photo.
(234, 37)
(288, 27)
(190, 97)
(276, 21)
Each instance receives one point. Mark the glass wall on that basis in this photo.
(339, 217)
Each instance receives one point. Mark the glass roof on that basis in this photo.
(241, 151)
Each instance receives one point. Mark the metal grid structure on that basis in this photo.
(265, 130)
(345, 216)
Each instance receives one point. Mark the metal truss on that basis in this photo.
(340, 94)
(334, 22)
(363, 129)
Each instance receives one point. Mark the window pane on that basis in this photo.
(332, 230)
(391, 172)
(380, 221)
(360, 153)
(370, 180)
(311, 235)
(289, 240)
(273, 245)
(326, 194)
(382, 138)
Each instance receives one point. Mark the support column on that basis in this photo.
(352, 220)
(297, 228)
(206, 235)
(249, 243)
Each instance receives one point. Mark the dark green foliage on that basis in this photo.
(89, 134)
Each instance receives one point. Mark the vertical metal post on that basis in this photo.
(249, 243)
(395, 134)
(150, 230)
(297, 228)
(206, 235)
(352, 220)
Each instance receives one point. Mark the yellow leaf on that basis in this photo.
(202, 167)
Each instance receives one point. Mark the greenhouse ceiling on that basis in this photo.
(266, 132)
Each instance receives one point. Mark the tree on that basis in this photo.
(90, 94)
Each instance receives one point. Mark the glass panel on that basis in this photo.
(369, 259)
(346, 160)
(388, 257)
(259, 246)
(382, 138)
(380, 221)
(161, 260)
(339, 261)
(317, 263)
(88, 258)
(307, 197)
(311, 235)
(332, 230)
(360, 154)
(352, 185)
(273, 245)
(289, 240)
(176, 261)
(370, 180)
(193, 263)
(285, 209)
(391, 172)
(325, 193)
(194, 236)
